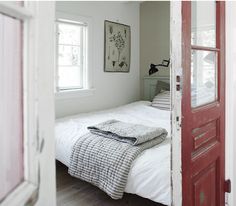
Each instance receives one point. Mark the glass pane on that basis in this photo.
(69, 34)
(203, 77)
(11, 105)
(70, 77)
(68, 55)
(203, 23)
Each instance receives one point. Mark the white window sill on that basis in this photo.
(71, 94)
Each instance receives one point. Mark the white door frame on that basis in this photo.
(230, 101)
(176, 70)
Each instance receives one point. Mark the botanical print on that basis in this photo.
(117, 47)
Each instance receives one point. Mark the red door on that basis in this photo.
(203, 104)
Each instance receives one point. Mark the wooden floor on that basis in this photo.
(74, 192)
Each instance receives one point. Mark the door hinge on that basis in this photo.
(227, 186)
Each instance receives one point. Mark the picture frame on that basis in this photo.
(117, 48)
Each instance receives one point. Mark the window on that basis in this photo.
(72, 52)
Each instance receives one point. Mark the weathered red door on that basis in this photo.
(203, 107)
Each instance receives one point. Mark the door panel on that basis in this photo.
(203, 120)
(202, 187)
(11, 104)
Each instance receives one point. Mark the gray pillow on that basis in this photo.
(162, 86)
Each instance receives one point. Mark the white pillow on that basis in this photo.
(162, 101)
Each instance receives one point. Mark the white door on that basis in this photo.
(27, 166)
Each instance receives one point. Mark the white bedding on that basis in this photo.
(149, 176)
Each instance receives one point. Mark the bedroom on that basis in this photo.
(142, 79)
(104, 98)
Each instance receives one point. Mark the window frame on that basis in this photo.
(29, 187)
(87, 88)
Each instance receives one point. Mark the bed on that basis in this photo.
(149, 177)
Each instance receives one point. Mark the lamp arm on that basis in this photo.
(154, 67)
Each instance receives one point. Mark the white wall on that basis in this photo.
(111, 89)
(231, 98)
(154, 37)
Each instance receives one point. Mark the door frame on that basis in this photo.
(230, 129)
(176, 100)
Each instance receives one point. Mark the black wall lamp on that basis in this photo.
(154, 67)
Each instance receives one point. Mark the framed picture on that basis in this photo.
(117, 47)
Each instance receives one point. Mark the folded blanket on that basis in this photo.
(106, 162)
(133, 134)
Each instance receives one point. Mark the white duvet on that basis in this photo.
(149, 176)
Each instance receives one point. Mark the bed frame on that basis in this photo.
(150, 83)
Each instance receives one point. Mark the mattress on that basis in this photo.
(149, 176)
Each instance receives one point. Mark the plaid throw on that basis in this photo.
(105, 162)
